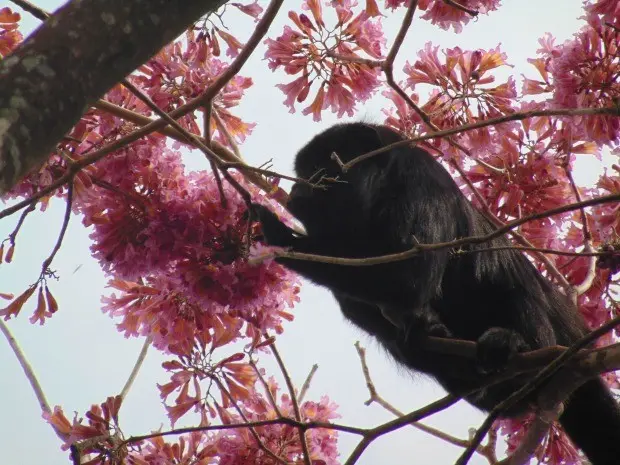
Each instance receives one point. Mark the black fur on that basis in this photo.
(384, 205)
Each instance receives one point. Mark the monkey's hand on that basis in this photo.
(275, 232)
(427, 323)
(496, 347)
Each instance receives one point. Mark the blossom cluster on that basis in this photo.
(177, 244)
(446, 16)
(9, 35)
(232, 443)
(327, 56)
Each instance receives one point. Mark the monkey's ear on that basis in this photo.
(368, 135)
(360, 138)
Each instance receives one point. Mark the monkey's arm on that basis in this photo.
(390, 284)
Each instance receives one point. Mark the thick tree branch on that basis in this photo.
(69, 62)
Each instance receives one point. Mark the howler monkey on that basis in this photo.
(387, 204)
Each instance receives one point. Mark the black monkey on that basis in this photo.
(384, 205)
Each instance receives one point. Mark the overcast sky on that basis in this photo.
(81, 359)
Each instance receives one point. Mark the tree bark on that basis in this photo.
(70, 61)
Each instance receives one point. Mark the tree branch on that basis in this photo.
(69, 62)
(28, 371)
(518, 116)
(418, 248)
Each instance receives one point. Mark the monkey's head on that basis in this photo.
(332, 200)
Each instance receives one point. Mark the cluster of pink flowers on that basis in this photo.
(462, 90)
(238, 446)
(227, 446)
(173, 230)
(183, 70)
(178, 252)
(326, 56)
(445, 16)
(555, 449)
(582, 73)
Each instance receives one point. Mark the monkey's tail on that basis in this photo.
(591, 419)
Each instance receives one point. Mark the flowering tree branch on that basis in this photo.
(561, 379)
(517, 116)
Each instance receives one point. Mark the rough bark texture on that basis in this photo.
(85, 48)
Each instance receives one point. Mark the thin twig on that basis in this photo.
(65, 223)
(566, 253)
(306, 385)
(28, 371)
(376, 398)
(250, 424)
(136, 368)
(294, 401)
(20, 222)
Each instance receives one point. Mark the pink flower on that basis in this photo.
(251, 9)
(296, 90)
(182, 70)
(10, 37)
(608, 10)
(191, 252)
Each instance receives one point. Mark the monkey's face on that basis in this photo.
(324, 209)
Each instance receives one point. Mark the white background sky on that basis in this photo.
(81, 359)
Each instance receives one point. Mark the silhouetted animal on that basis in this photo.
(384, 205)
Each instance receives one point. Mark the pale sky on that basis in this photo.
(81, 359)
